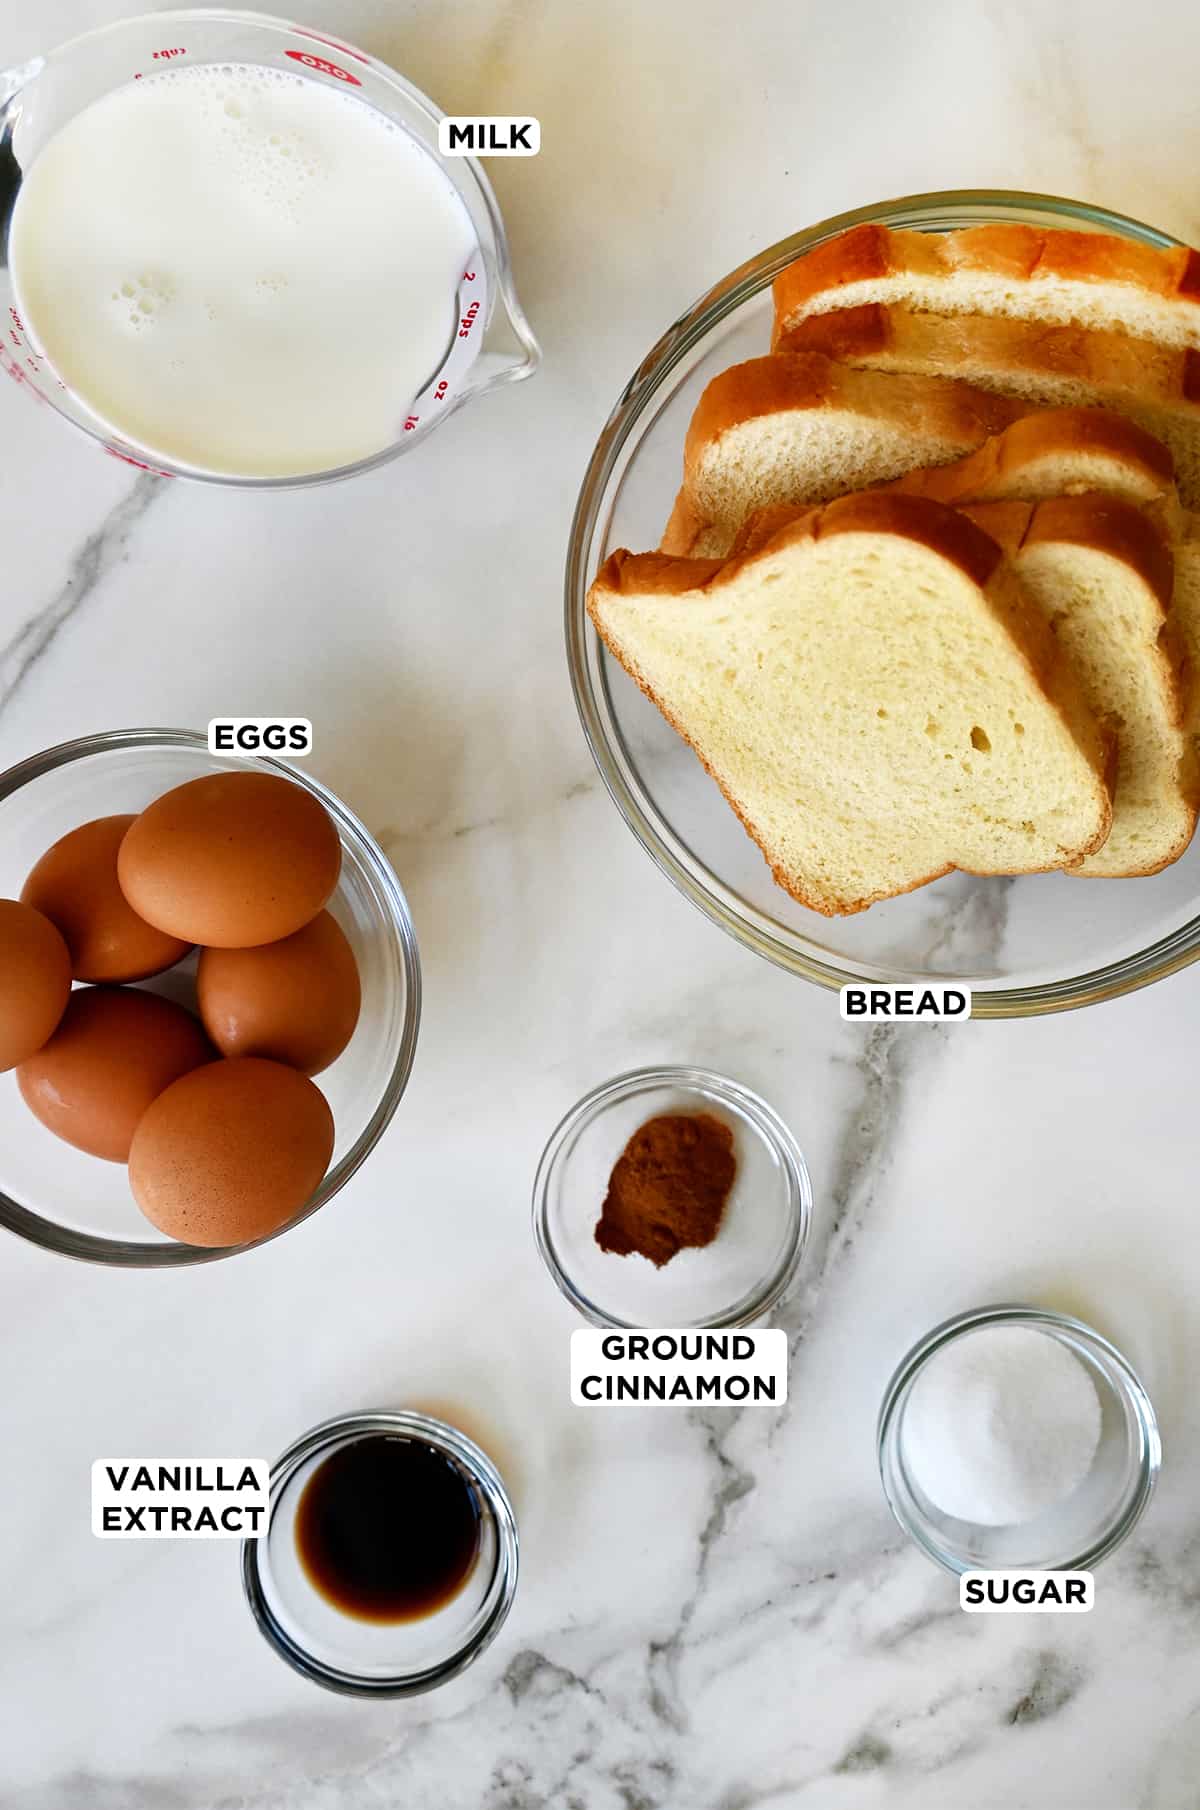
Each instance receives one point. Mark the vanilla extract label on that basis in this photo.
(1026, 1592)
(684, 1368)
(904, 1005)
(180, 1499)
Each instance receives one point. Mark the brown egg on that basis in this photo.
(113, 1054)
(233, 860)
(295, 1001)
(35, 981)
(75, 884)
(231, 1152)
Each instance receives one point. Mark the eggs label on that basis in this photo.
(254, 734)
(180, 1499)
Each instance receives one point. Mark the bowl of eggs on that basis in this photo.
(209, 998)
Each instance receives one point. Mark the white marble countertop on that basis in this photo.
(716, 1611)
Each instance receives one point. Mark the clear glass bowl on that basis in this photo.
(41, 96)
(81, 1206)
(735, 1280)
(1074, 1535)
(363, 1659)
(1040, 943)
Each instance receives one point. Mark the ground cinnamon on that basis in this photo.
(669, 1187)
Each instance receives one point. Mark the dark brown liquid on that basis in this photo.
(387, 1529)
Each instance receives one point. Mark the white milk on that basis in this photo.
(240, 269)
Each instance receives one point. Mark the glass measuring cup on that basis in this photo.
(490, 340)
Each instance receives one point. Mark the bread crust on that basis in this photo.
(774, 385)
(871, 252)
(958, 413)
(1039, 435)
(874, 332)
(1122, 531)
(943, 530)
(685, 525)
(947, 532)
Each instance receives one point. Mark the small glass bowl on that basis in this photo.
(81, 1206)
(1075, 1534)
(366, 1659)
(1026, 945)
(735, 1280)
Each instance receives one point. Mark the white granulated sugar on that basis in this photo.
(1001, 1424)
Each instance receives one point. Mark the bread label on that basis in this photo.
(1026, 1592)
(905, 1005)
(180, 1499)
(679, 1369)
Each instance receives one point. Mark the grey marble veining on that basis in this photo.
(716, 1611)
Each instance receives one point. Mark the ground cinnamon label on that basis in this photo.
(669, 1187)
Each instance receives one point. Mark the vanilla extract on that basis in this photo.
(387, 1529)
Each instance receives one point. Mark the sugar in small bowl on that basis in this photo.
(1017, 1438)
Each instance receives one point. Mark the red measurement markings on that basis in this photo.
(468, 321)
(345, 48)
(180, 52)
(468, 276)
(8, 363)
(439, 395)
(411, 423)
(323, 66)
(15, 334)
(136, 463)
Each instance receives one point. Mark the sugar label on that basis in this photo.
(1026, 1592)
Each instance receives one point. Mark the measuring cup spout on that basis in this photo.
(509, 353)
(13, 80)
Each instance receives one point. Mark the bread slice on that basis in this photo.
(1042, 366)
(874, 694)
(1185, 617)
(803, 429)
(1020, 272)
(1062, 451)
(1048, 453)
(1102, 573)
(1056, 452)
(1059, 452)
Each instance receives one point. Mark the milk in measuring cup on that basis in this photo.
(240, 269)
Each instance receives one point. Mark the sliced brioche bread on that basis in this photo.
(1102, 573)
(1043, 366)
(1022, 272)
(1185, 616)
(1055, 452)
(1047, 453)
(875, 695)
(804, 429)
(1061, 451)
